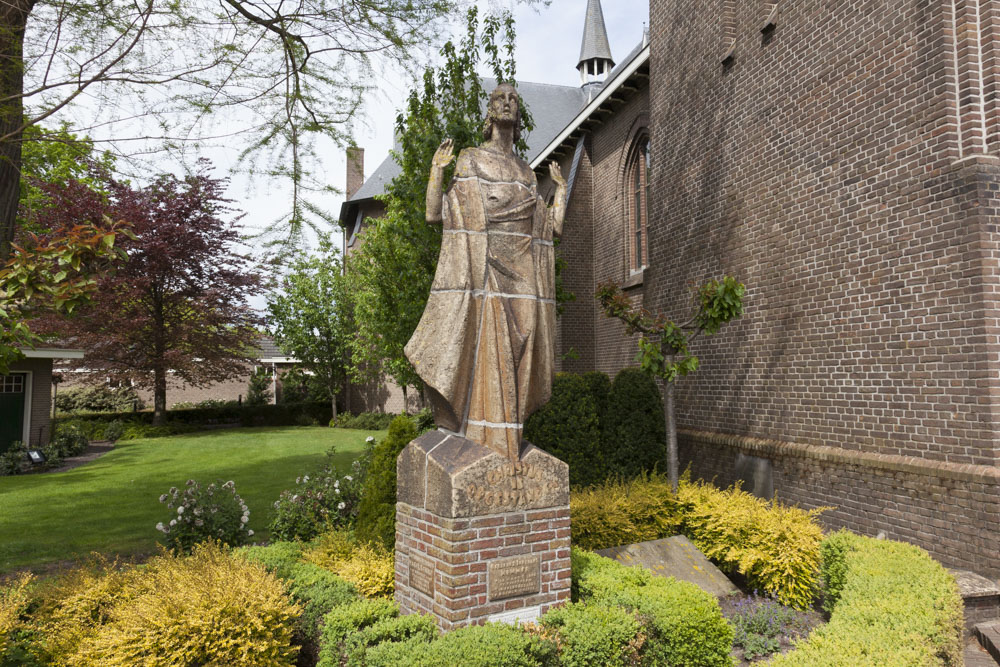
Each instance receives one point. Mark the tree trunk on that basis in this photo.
(159, 395)
(668, 417)
(13, 18)
(333, 400)
(406, 410)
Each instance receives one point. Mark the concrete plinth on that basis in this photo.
(479, 538)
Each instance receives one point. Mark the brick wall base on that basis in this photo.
(951, 510)
(468, 571)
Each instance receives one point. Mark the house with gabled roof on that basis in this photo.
(26, 397)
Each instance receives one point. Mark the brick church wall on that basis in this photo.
(845, 167)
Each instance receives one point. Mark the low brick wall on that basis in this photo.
(951, 510)
(455, 568)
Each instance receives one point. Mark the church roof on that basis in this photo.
(595, 35)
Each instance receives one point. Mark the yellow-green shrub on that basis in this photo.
(13, 600)
(774, 546)
(368, 566)
(895, 606)
(619, 512)
(206, 609)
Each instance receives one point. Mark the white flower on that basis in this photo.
(199, 523)
(173, 491)
(348, 478)
(370, 439)
(163, 498)
(249, 533)
(341, 506)
(180, 510)
(306, 478)
(244, 518)
(191, 482)
(173, 522)
(160, 527)
(295, 498)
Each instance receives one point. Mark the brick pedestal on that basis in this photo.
(479, 538)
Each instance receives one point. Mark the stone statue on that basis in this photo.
(485, 344)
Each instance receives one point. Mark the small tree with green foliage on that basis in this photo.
(391, 274)
(377, 511)
(259, 390)
(663, 344)
(311, 320)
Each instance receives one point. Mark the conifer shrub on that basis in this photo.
(377, 511)
(599, 385)
(893, 605)
(618, 512)
(205, 609)
(683, 624)
(596, 635)
(776, 547)
(367, 565)
(568, 428)
(634, 430)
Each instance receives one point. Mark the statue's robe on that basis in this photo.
(485, 345)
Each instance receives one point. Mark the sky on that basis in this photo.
(547, 51)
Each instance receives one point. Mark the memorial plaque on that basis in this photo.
(511, 577)
(422, 574)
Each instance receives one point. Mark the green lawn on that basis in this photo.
(111, 505)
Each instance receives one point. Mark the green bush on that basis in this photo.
(114, 431)
(684, 625)
(216, 512)
(320, 501)
(415, 628)
(624, 512)
(377, 512)
(893, 606)
(69, 440)
(365, 421)
(595, 635)
(567, 427)
(599, 385)
(97, 399)
(634, 431)
(489, 645)
(15, 460)
(344, 621)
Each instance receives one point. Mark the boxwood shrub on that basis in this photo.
(590, 634)
(568, 428)
(683, 624)
(892, 605)
(491, 645)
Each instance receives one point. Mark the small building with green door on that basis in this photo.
(26, 397)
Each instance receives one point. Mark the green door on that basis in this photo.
(11, 409)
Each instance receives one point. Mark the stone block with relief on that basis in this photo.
(478, 537)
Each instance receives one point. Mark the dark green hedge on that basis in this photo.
(568, 428)
(634, 429)
(377, 511)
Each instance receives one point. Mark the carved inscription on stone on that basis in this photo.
(511, 577)
(512, 486)
(422, 574)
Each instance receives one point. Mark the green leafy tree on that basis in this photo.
(167, 73)
(663, 344)
(259, 388)
(310, 318)
(56, 274)
(391, 274)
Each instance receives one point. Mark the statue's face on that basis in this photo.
(504, 104)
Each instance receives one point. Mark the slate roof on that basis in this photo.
(552, 107)
(595, 35)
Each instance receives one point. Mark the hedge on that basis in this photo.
(892, 605)
(568, 428)
(139, 424)
(683, 624)
(620, 512)
(634, 429)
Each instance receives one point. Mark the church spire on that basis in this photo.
(595, 53)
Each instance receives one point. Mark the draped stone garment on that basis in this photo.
(485, 345)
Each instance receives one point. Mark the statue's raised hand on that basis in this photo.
(556, 173)
(444, 155)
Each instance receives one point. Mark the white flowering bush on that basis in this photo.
(319, 502)
(214, 512)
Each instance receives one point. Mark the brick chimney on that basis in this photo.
(355, 169)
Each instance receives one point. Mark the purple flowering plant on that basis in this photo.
(320, 501)
(760, 623)
(215, 512)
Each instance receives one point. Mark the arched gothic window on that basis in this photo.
(637, 186)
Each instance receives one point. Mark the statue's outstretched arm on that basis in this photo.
(558, 209)
(435, 186)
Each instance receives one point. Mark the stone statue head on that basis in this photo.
(504, 107)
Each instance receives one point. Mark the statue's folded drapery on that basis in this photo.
(485, 345)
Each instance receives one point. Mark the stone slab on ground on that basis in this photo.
(976, 656)
(674, 557)
(980, 598)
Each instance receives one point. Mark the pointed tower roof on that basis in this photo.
(595, 36)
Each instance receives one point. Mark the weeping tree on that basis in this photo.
(664, 352)
(390, 275)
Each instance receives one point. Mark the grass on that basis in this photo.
(111, 505)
